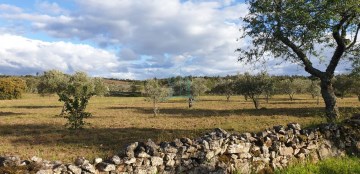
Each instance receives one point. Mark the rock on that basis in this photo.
(36, 159)
(143, 155)
(209, 155)
(156, 161)
(88, 167)
(59, 169)
(294, 126)
(80, 161)
(286, 151)
(130, 161)
(48, 171)
(187, 141)
(324, 153)
(115, 160)
(105, 167)
(238, 148)
(10, 161)
(177, 143)
(130, 149)
(74, 169)
(97, 160)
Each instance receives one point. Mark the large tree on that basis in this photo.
(297, 30)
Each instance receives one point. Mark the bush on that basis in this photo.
(11, 88)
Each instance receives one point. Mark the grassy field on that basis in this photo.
(29, 126)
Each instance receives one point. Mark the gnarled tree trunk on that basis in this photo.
(328, 94)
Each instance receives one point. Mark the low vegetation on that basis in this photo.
(348, 165)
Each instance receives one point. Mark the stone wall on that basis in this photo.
(215, 152)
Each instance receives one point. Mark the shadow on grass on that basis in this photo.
(3, 114)
(112, 140)
(297, 112)
(35, 107)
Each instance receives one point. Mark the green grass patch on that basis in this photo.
(346, 165)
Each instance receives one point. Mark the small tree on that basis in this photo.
(198, 86)
(293, 86)
(252, 87)
(80, 88)
(342, 85)
(269, 86)
(155, 93)
(315, 90)
(225, 87)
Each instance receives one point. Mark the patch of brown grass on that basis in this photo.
(29, 126)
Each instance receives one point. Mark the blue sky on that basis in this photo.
(126, 38)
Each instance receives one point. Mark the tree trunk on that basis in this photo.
(328, 94)
(291, 97)
(267, 98)
(228, 98)
(358, 97)
(155, 108)
(256, 102)
(318, 100)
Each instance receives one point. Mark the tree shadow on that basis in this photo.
(3, 114)
(112, 140)
(35, 107)
(296, 112)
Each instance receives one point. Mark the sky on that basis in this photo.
(128, 39)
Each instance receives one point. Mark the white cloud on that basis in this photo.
(27, 56)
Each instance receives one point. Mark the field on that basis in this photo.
(30, 126)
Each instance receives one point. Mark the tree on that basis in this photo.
(198, 86)
(315, 90)
(53, 82)
(75, 91)
(342, 85)
(76, 95)
(269, 86)
(11, 88)
(252, 87)
(293, 30)
(224, 87)
(293, 86)
(155, 93)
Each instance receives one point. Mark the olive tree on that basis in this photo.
(315, 90)
(252, 87)
(198, 86)
(224, 87)
(295, 30)
(342, 85)
(155, 93)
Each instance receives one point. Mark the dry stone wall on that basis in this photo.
(216, 152)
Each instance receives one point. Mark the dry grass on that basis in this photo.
(29, 126)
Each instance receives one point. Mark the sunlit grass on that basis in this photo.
(330, 166)
(30, 126)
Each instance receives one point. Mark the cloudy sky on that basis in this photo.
(135, 39)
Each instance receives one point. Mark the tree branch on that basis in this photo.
(355, 38)
(341, 46)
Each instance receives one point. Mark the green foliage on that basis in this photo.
(155, 93)
(342, 85)
(198, 86)
(75, 91)
(80, 88)
(32, 84)
(52, 82)
(224, 87)
(293, 86)
(252, 86)
(11, 88)
(345, 165)
(293, 30)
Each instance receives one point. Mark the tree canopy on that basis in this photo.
(300, 30)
